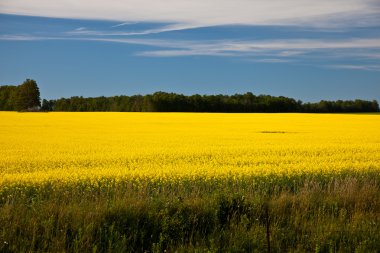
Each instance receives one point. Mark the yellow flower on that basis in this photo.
(99, 149)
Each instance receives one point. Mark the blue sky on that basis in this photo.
(328, 50)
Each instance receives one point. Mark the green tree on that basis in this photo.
(8, 96)
(47, 105)
(28, 96)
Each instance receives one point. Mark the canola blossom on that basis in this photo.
(66, 148)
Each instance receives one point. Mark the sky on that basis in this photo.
(307, 50)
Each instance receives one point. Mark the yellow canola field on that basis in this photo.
(37, 148)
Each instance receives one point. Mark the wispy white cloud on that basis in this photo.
(366, 50)
(176, 53)
(166, 28)
(291, 53)
(366, 55)
(278, 48)
(124, 24)
(21, 37)
(265, 51)
(322, 13)
(271, 60)
(359, 47)
(80, 29)
(304, 44)
(356, 67)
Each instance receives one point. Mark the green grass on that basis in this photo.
(307, 213)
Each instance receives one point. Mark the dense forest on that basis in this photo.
(26, 97)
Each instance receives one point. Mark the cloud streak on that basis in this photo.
(166, 28)
(291, 48)
(356, 67)
(199, 13)
(321, 52)
(366, 47)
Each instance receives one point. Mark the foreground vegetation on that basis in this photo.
(132, 182)
(335, 213)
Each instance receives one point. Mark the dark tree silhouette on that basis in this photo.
(28, 96)
(172, 102)
(8, 95)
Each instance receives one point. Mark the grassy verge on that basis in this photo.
(305, 213)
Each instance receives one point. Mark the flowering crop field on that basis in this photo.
(88, 182)
(65, 148)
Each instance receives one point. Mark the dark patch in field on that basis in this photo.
(276, 132)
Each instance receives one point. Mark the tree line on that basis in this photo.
(26, 97)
